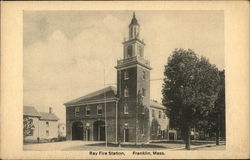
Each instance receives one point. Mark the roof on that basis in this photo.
(30, 111)
(134, 20)
(110, 93)
(155, 104)
(48, 116)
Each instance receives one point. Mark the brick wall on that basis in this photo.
(89, 120)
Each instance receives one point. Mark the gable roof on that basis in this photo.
(30, 111)
(48, 116)
(110, 93)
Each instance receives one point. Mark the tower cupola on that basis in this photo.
(134, 28)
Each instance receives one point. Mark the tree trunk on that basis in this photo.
(218, 130)
(187, 140)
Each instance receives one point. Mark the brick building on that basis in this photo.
(129, 113)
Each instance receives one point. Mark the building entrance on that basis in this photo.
(77, 131)
(99, 131)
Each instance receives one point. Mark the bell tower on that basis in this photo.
(133, 85)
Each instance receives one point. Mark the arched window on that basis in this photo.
(129, 51)
(126, 75)
(143, 75)
(125, 109)
(126, 92)
(131, 32)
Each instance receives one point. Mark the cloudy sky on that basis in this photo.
(65, 52)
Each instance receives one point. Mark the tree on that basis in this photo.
(189, 91)
(215, 121)
(27, 126)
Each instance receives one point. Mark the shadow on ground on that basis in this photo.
(115, 146)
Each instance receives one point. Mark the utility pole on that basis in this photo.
(105, 114)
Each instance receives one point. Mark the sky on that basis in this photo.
(66, 53)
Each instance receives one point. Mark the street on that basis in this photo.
(97, 146)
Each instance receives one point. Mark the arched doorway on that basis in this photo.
(77, 131)
(99, 131)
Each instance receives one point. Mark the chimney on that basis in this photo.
(50, 109)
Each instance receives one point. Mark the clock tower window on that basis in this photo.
(126, 75)
(125, 109)
(126, 92)
(129, 51)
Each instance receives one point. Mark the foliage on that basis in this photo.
(27, 126)
(190, 89)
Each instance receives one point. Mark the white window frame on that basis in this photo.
(99, 107)
(125, 108)
(77, 112)
(126, 92)
(126, 75)
(87, 109)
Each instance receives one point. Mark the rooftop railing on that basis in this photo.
(133, 59)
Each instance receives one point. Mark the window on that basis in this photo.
(126, 92)
(131, 32)
(126, 75)
(47, 132)
(143, 92)
(77, 112)
(87, 110)
(159, 114)
(164, 116)
(142, 129)
(99, 109)
(129, 51)
(31, 132)
(153, 113)
(135, 31)
(143, 75)
(125, 108)
(159, 130)
(47, 124)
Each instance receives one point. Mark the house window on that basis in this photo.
(126, 92)
(125, 108)
(31, 132)
(143, 75)
(159, 114)
(77, 112)
(47, 132)
(143, 92)
(99, 109)
(126, 75)
(164, 116)
(47, 124)
(153, 113)
(87, 110)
